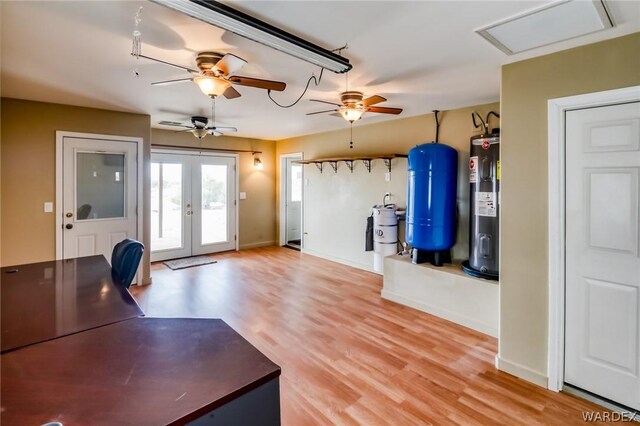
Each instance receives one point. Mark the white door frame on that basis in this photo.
(283, 198)
(60, 135)
(557, 109)
(158, 150)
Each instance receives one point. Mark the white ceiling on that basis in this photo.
(419, 55)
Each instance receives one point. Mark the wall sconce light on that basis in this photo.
(257, 163)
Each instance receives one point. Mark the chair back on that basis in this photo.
(125, 259)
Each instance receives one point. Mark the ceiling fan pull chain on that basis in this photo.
(351, 137)
(213, 111)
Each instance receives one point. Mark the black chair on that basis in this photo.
(125, 260)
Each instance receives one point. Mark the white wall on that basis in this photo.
(336, 206)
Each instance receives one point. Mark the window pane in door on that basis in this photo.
(100, 185)
(296, 182)
(166, 206)
(214, 204)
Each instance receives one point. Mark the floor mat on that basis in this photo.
(189, 262)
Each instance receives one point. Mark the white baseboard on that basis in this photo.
(258, 244)
(442, 313)
(521, 371)
(358, 265)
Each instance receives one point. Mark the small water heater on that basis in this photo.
(484, 218)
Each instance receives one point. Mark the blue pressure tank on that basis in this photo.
(431, 199)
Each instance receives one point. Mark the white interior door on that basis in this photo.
(294, 201)
(193, 205)
(170, 206)
(602, 330)
(99, 195)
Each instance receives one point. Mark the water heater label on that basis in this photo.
(486, 204)
(473, 170)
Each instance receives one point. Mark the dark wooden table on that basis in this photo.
(47, 300)
(143, 371)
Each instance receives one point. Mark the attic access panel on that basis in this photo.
(550, 24)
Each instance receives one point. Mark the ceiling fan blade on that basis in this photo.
(191, 70)
(230, 63)
(231, 93)
(173, 124)
(167, 82)
(321, 112)
(185, 130)
(215, 133)
(222, 129)
(372, 100)
(278, 86)
(385, 110)
(325, 102)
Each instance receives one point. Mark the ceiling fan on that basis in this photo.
(199, 126)
(353, 106)
(214, 75)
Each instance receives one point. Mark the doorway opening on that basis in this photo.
(193, 204)
(291, 201)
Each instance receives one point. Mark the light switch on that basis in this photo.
(243, 195)
(387, 177)
(48, 207)
(306, 182)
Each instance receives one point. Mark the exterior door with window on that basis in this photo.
(193, 205)
(170, 204)
(294, 202)
(214, 204)
(602, 331)
(99, 195)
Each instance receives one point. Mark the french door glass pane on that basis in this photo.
(166, 206)
(100, 185)
(214, 203)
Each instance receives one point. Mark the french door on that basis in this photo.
(193, 205)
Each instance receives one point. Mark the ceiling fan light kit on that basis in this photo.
(200, 133)
(229, 19)
(212, 86)
(351, 114)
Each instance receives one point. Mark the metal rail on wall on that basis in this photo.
(366, 159)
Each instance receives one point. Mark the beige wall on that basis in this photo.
(526, 87)
(394, 136)
(257, 213)
(28, 143)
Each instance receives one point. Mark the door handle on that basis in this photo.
(69, 225)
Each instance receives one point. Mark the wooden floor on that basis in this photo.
(349, 357)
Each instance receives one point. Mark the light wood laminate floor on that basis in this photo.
(347, 356)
